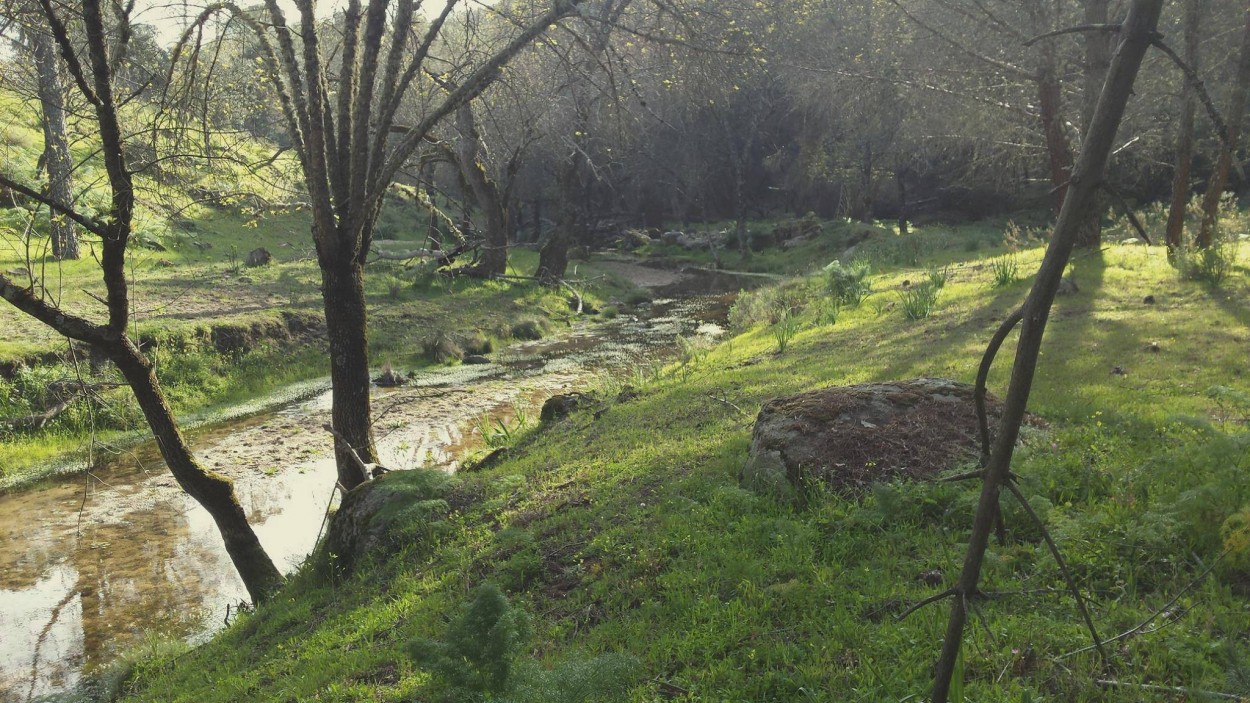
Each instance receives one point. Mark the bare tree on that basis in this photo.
(341, 100)
(1224, 164)
(93, 76)
(1137, 33)
(1185, 131)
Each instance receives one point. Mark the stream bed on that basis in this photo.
(91, 565)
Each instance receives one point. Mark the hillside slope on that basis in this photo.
(626, 533)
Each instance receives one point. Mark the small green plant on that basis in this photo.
(1210, 265)
(785, 329)
(849, 284)
(918, 302)
(1004, 271)
(937, 277)
(233, 257)
(830, 313)
(482, 658)
(496, 432)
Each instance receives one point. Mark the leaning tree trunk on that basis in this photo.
(1236, 112)
(56, 154)
(212, 490)
(1185, 132)
(553, 258)
(1137, 32)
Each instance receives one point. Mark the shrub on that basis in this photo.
(785, 329)
(1210, 265)
(938, 277)
(769, 305)
(481, 658)
(849, 284)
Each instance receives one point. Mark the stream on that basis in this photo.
(95, 564)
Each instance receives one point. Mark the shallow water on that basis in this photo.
(93, 564)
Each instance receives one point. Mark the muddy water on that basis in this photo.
(91, 566)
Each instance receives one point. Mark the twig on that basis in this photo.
(1154, 616)
(1063, 569)
(1108, 28)
(931, 599)
(726, 402)
(1170, 689)
(1128, 212)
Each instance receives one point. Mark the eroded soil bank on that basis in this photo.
(91, 565)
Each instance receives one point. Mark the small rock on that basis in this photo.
(560, 406)
(475, 359)
(258, 257)
(932, 577)
(1067, 286)
(389, 379)
(906, 283)
(1154, 348)
(1118, 371)
(165, 264)
(20, 271)
(1149, 300)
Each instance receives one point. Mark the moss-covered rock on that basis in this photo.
(397, 510)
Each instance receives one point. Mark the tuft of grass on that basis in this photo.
(785, 329)
(1210, 265)
(1004, 270)
(918, 302)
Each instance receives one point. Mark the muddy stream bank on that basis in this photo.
(90, 565)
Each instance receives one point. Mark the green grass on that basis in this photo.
(629, 533)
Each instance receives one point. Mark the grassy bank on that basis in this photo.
(625, 533)
(223, 334)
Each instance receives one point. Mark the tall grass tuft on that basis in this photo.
(918, 302)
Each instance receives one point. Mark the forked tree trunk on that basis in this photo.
(1136, 35)
(1236, 113)
(1175, 235)
(56, 156)
(1058, 149)
(494, 259)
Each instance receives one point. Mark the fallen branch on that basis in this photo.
(1107, 28)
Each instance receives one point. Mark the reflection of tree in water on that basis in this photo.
(126, 587)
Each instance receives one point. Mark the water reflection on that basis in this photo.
(91, 566)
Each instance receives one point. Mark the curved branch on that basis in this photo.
(1221, 127)
(983, 373)
(87, 223)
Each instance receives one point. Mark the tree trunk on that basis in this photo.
(900, 179)
(553, 258)
(1185, 132)
(1097, 61)
(1058, 150)
(56, 154)
(212, 490)
(1236, 112)
(494, 259)
(342, 280)
(1138, 30)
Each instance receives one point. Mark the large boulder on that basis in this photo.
(850, 437)
(258, 257)
(396, 510)
(558, 407)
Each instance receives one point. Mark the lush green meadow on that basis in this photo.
(636, 567)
